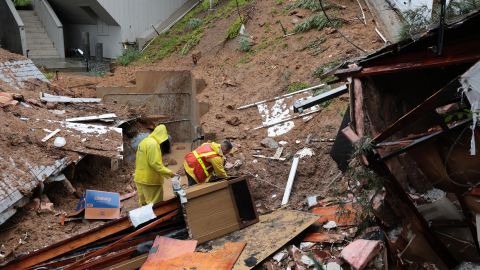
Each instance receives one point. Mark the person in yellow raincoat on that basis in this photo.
(200, 164)
(150, 173)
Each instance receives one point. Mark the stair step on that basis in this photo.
(35, 31)
(37, 35)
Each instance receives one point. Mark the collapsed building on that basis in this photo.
(413, 118)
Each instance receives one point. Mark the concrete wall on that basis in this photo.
(52, 24)
(12, 29)
(108, 35)
(136, 17)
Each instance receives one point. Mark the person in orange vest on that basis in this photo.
(201, 163)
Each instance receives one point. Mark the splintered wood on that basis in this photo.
(171, 254)
(267, 236)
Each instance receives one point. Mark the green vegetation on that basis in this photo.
(313, 5)
(324, 68)
(245, 59)
(22, 3)
(206, 4)
(49, 75)
(279, 2)
(416, 20)
(194, 23)
(297, 86)
(188, 32)
(318, 21)
(245, 44)
(129, 55)
(234, 29)
(314, 44)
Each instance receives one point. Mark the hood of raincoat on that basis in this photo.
(160, 134)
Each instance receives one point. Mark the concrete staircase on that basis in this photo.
(38, 42)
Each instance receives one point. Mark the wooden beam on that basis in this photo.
(358, 99)
(123, 239)
(394, 189)
(428, 105)
(83, 239)
(426, 62)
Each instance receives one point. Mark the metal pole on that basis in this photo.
(291, 177)
(441, 28)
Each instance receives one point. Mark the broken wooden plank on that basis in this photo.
(426, 62)
(267, 236)
(53, 133)
(278, 153)
(291, 177)
(324, 237)
(431, 103)
(280, 97)
(358, 107)
(63, 99)
(110, 247)
(67, 245)
(107, 116)
(165, 248)
(221, 259)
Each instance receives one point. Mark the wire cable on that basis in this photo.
(345, 37)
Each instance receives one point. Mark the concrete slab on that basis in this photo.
(61, 64)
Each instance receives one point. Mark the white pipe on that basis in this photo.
(286, 120)
(279, 97)
(291, 176)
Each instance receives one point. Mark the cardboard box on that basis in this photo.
(100, 204)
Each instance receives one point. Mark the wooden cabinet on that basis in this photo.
(216, 209)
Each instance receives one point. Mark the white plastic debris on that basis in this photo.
(254, 161)
(330, 225)
(141, 215)
(312, 200)
(298, 141)
(274, 195)
(307, 261)
(282, 143)
(280, 255)
(305, 152)
(59, 142)
(333, 266)
(306, 245)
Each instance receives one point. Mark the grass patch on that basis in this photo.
(317, 21)
(245, 59)
(314, 44)
(297, 86)
(206, 4)
(279, 2)
(49, 75)
(312, 5)
(128, 56)
(22, 3)
(188, 32)
(234, 29)
(317, 73)
(194, 23)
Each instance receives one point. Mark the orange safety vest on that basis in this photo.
(197, 160)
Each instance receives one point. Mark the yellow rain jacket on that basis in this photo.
(149, 168)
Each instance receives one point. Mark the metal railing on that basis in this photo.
(52, 24)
